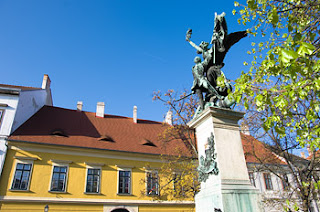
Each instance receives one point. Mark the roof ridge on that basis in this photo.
(20, 86)
(90, 112)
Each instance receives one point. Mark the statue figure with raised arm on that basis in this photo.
(221, 42)
(200, 82)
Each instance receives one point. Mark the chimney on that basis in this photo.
(79, 105)
(46, 82)
(168, 119)
(135, 114)
(100, 109)
(244, 128)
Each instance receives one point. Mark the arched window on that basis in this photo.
(120, 210)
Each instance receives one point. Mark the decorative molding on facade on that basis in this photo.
(88, 154)
(150, 169)
(94, 164)
(61, 161)
(25, 158)
(90, 201)
(125, 166)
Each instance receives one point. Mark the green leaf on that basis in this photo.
(252, 4)
(280, 130)
(282, 103)
(287, 55)
(273, 16)
(308, 48)
(260, 100)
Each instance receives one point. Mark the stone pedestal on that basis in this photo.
(228, 190)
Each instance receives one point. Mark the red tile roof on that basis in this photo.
(59, 126)
(84, 129)
(257, 152)
(19, 87)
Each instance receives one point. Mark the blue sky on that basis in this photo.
(117, 52)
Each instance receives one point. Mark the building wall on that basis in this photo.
(9, 113)
(275, 198)
(6, 122)
(42, 156)
(21, 107)
(30, 101)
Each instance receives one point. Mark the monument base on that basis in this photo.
(229, 188)
(233, 197)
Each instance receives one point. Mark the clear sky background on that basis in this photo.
(114, 51)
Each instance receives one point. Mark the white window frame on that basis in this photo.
(158, 183)
(93, 166)
(60, 163)
(2, 111)
(22, 160)
(284, 182)
(118, 181)
(265, 183)
(252, 180)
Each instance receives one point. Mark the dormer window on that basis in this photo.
(147, 142)
(106, 138)
(59, 132)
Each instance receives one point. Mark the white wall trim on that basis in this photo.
(25, 158)
(89, 164)
(92, 201)
(59, 162)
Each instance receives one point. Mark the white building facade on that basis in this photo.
(274, 190)
(18, 104)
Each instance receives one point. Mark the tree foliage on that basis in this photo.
(178, 174)
(286, 80)
(183, 108)
(281, 90)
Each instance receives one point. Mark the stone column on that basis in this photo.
(225, 184)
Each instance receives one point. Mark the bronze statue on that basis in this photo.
(213, 62)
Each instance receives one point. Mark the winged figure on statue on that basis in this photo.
(207, 72)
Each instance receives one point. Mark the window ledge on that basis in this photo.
(152, 195)
(124, 194)
(60, 192)
(92, 193)
(19, 190)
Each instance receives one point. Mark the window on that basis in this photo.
(22, 176)
(178, 186)
(176, 180)
(59, 178)
(1, 115)
(251, 178)
(267, 181)
(124, 185)
(152, 183)
(285, 181)
(93, 180)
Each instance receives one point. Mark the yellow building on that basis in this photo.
(71, 160)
